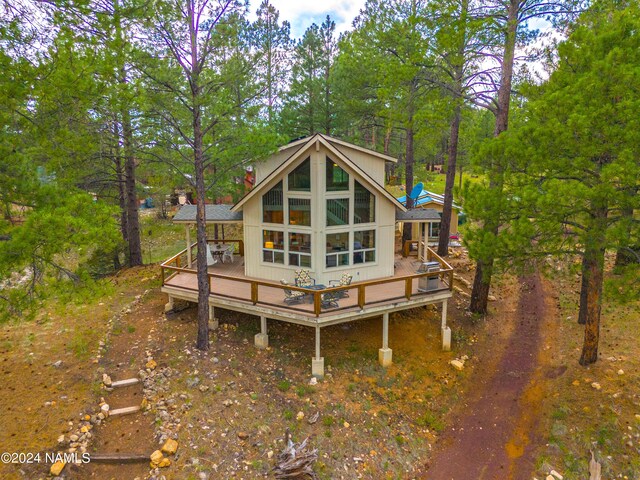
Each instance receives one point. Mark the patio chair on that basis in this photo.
(211, 260)
(292, 296)
(228, 254)
(345, 280)
(303, 279)
(330, 300)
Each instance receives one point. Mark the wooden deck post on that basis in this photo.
(385, 353)
(261, 339)
(408, 288)
(446, 331)
(317, 362)
(188, 237)
(361, 297)
(213, 321)
(254, 292)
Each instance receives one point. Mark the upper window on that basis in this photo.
(300, 211)
(364, 205)
(272, 205)
(337, 212)
(300, 177)
(337, 178)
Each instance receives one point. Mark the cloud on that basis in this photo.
(302, 13)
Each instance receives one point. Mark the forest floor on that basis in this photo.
(229, 407)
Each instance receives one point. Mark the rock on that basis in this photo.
(84, 429)
(620, 372)
(300, 416)
(243, 435)
(165, 462)
(57, 364)
(491, 298)
(270, 454)
(555, 475)
(170, 446)
(156, 457)
(638, 416)
(550, 477)
(106, 379)
(203, 388)
(61, 439)
(313, 381)
(227, 403)
(576, 383)
(457, 364)
(151, 364)
(56, 468)
(104, 409)
(346, 425)
(596, 385)
(74, 438)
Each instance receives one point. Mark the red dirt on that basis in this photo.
(491, 435)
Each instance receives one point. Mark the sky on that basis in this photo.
(302, 13)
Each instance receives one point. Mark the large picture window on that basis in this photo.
(337, 212)
(272, 205)
(300, 249)
(300, 211)
(337, 178)
(364, 246)
(273, 246)
(364, 204)
(300, 177)
(337, 253)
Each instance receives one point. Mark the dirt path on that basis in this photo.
(493, 435)
(129, 433)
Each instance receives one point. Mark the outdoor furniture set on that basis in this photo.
(304, 280)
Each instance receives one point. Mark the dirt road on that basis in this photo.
(493, 435)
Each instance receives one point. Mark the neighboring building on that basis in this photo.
(434, 201)
(319, 204)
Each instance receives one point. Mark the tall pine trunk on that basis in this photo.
(593, 303)
(133, 223)
(484, 266)
(445, 222)
(409, 161)
(134, 250)
(202, 342)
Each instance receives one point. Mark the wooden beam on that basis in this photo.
(118, 458)
(408, 287)
(361, 296)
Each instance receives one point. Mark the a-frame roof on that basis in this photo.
(328, 143)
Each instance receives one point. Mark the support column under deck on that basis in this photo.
(168, 307)
(317, 362)
(385, 353)
(261, 339)
(213, 321)
(188, 237)
(446, 331)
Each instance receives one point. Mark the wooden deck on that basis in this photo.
(231, 289)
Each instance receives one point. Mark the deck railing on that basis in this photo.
(350, 296)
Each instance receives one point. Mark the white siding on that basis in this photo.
(384, 225)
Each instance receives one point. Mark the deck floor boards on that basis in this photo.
(389, 292)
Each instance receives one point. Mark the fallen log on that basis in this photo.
(119, 458)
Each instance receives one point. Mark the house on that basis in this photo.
(319, 204)
(434, 201)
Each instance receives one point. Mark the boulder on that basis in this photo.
(56, 468)
(170, 447)
(151, 364)
(457, 364)
(106, 379)
(165, 462)
(156, 457)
